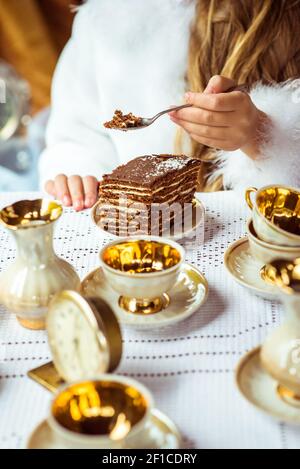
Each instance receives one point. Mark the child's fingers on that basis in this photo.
(222, 102)
(61, 189)
(216, 133)
(77, 192)
(74, 190)
(204, 117)
(216, 144)
(90, 185)
(50, 188)
(219, 84)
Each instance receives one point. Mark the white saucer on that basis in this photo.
(163, 434)
(260, 389)
(245, 270)
(197, 221)
(187, 295)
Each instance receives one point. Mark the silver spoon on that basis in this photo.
(145, 122)
(148, 121)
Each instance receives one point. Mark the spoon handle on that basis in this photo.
(176, 108)
(173, 108)
(242, 87)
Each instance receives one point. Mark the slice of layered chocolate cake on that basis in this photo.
(142, 196)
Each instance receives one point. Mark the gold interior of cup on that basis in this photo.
(283, 274)
(141, 256)
(28, 213)
(104, 408)
(281, 206)
(288, 396)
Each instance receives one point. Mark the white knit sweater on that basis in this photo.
(132, 55)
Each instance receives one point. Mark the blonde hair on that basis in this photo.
(246, 40)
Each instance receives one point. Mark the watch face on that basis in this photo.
(79, 348)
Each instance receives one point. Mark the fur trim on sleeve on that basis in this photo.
(279, 162)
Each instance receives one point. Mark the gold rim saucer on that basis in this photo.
(245, 270)
(165, 435)
(261, 390)
(186, 297)
(197, 205)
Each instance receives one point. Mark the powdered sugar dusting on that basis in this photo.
(165, 164)
(147, 170)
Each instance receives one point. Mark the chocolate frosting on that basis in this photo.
(146, 171)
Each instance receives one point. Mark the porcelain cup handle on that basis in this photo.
(248, 196)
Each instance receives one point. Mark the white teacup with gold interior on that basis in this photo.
(280, 353)
(142, 270)
(276, 214)
(267, 252)
(109, 411)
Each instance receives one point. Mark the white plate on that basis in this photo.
(198, 215)
(163, 434)
(187, 295)
(260, 389)
(245, 270)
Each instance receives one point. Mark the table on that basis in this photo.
(189, 367)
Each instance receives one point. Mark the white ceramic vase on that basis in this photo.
(37, 273)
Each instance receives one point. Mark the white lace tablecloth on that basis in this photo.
(188, 367)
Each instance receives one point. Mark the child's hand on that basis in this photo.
(227, 121)
(74, 190)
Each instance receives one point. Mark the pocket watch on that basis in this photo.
(84, 338)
